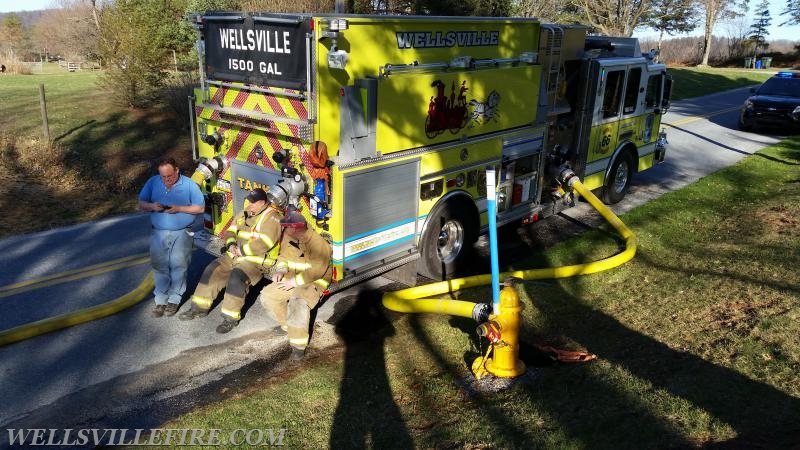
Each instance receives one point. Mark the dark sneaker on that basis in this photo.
(279, 331)
(158, 311)
(193, 313)
(227, 325)
(297, 354)
(171, 309)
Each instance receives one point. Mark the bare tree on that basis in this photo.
(13, 33)
(737, 31)
(68, 30)
(713, 11)
(614, 17)
(557, 11)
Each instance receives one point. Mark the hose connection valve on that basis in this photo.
(207, 168)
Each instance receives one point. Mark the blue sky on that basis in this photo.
(775, 31)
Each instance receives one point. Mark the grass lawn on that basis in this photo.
(698, 81)
(697, 338)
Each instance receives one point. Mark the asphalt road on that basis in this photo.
(134, 368)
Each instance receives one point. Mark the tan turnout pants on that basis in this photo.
(235, 276)
(292, 310)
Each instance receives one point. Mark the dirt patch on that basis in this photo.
(780, 219)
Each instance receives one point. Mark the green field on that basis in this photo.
(99, 156)
(697, 338)
(699, 81)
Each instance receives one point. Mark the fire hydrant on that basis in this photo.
(502, 330)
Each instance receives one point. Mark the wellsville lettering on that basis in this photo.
(267, 41)
(439, 39)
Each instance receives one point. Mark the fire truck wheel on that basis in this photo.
(619, 179)
(447, 242)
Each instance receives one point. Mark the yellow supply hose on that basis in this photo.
(72, 275)
(43, 326)
(414, 299)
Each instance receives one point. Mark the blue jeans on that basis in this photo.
(170, 254)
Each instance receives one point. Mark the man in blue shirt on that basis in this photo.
(173, 201)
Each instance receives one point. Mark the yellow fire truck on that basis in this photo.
(380, 128)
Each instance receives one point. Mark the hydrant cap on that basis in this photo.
(509, 299)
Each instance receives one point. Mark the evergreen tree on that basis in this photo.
(759, 29)
(793, 11)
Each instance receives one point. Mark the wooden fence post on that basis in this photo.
(43, 105)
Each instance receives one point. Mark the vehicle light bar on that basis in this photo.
(788, 74)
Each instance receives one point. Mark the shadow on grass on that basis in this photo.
(762, 415)
(596, 407)
(366, 415)
(100, 166)
(70, 131)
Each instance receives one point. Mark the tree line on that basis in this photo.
(138, 41)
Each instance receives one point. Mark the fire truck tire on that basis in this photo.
(446, 244)
(619, 179)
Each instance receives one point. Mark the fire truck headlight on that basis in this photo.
(337, 59)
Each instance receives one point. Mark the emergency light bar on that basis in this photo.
(788, 74)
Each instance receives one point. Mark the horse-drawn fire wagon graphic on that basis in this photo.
(447, 113)
(454, 112)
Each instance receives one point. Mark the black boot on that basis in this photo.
(193, 313)
(279, 331)
(227, 325)
(298, 354)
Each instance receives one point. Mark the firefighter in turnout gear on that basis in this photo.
(300, 279)
(251, 249)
